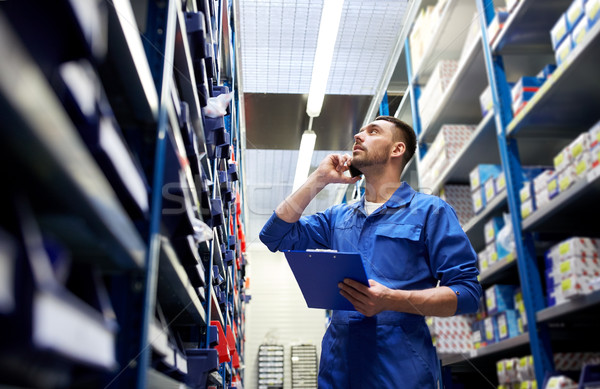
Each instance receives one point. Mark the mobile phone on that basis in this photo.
(354, 172)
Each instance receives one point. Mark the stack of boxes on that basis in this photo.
(572, 26)
(482, 177)
(497, 24)
(493, 250)
(459, 197)
(574, 162)
(423, 30)
(519, 373)
(516, 373)
(572, 269)
(436, 86)
(443, 150)
(451, 335)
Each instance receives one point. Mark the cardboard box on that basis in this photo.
(526, 86)
(540, 182)
(496, 25)
(553, 186)
(527, 208)
(542, 199)
(574, 285)
(508, 326)
(573, 247)
(547, 71)
(525, 369)
(478, 199)
(526, 191)
(562, 52)
(576, 266)
(581, 144)
(594, 132)
(489, 188)
(559, 31)
(562, 159)
(492, 227)
(584, 164)
(575, 13)
(480, 174)
(579, 31)
(490, 330)
(567, 178)
(492, 254)
(499, 298)
(459, 197)
(592, 11)
(500, 183)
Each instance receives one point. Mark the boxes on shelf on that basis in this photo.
(567, 178)
(559, 31)
(592, 11)
(506, 369)
(560, 382)
(523, 91)
(508, 324)
(423, 30)
(478, 199)
(459, 197)
(520, 307)
(553, 186)
(436, 86)
(563, 50)
(490, 330)
(579, 32)
(452, 335)
(492, 227)
(575, 360)
(547, 71)
(446, 146)
(499, 298)
(575, 13)
(481, 173)
(527, 208)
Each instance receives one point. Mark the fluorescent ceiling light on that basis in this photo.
(328, 31)
(307, 146)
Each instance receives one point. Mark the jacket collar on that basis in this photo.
(402, 196)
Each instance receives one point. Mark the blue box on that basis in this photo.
(553, 188)
(499, 298)
(478, 198)
(508, 324)
(526, 84)
(547, 71)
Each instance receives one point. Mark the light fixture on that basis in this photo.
(328, 31)
(307, 146)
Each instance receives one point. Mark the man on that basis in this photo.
(408, 240)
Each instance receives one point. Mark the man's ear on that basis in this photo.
(398, 149)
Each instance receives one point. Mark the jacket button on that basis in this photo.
(457, 292)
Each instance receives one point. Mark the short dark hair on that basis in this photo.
(407, 135)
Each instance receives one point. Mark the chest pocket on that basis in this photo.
(398, 253)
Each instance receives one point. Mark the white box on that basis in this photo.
(559, 31)
(579, 32)
(490, 189)
(584, 164)
(542, 199)
(563, 51)
(540, 182)
(567, 178)
(594, 132)
(500, 183)
(592, 11)
(573, 247)
(575, 12)
(478, 200)
(527, 208)
(525, 192)
(576, 266)
(562, 159)
(579, 145)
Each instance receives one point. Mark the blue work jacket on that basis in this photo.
(411, 242)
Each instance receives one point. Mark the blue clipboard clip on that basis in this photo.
(318, 274)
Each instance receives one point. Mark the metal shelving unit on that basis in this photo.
(140, 258)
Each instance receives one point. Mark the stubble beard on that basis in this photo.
(369, 159)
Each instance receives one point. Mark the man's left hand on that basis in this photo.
(368, 300)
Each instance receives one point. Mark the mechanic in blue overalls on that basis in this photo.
(409, 241)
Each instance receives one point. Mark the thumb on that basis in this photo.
(373, 283)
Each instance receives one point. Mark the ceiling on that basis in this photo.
(277, 44)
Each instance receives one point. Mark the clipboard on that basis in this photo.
(319, 272)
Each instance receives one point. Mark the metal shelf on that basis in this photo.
(569, 100)
(404, 111)
(476, 151)
(158, 380)
(187, 84)
(129, 61)
(215, 313)
(492, 350)
(527, 29)
(567, 211)
(474, 228)
(572, 306)
(175, 291)
(41, 133)
(460, 102)
(448, 39)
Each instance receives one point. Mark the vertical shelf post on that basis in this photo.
(529, 275)
(155, 219)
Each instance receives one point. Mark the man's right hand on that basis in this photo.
(332, 168)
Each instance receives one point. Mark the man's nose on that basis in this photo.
(358, 137)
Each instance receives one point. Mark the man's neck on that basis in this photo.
(381, 185)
